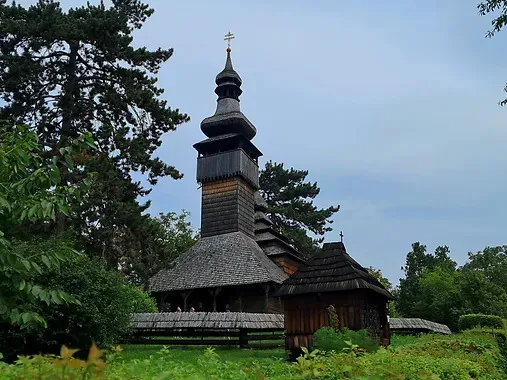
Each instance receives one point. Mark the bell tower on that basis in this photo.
(227, 163)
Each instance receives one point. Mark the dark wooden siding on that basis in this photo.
(246, 298)
(227, 165)
(305, 314)
(227, 206)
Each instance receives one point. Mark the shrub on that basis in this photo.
(103, 315)
(501, 341)
(470, 321)
(141, 302)
(327, 339)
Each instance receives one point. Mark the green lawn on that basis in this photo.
(190, 354)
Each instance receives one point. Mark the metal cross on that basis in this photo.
(228, 37)
(341, 236)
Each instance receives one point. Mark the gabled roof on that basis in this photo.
(221, 260)
(331, 270)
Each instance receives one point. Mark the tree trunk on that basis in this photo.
(70, 92)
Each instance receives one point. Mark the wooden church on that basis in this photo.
(241, 264)
(240, 260)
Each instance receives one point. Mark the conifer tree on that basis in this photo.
(291, 209)
(65, 72)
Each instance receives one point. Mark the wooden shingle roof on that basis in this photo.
(215, 261)
(417, 325)
(271, 241)
(331, 270)
(207, 320)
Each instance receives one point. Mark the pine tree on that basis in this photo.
(68, 72)
(291, 208)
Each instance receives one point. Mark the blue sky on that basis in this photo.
(391, 106)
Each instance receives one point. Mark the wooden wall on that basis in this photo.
(305, 314)
(286, 263)
(227, 206)
(227, 165)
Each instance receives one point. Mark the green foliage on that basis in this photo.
(492, 263)
(474, 354)
(291, 209)
(103, 315)
(434, 289)
(31, 191)
(498, 23)
(470, 321)
(417, 263)
(309, 364)
(166, 237)
(83, 73)
(21, 289)
(61, 367)
(327, 339)
(501, 340)
(334, 322)
(392, 311)
(438, 299)
(141, 302)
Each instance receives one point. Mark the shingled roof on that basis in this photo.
(221, 260)
(331, 270)
(417, 325)
(206, 320)
(271, 241)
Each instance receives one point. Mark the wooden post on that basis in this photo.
(243, 339)
(386, 341)
(240, 304)
(185, 295)
(214, 293)
(162, 299)
(266, 292)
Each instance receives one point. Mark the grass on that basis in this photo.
(469, 355)
(190, 354)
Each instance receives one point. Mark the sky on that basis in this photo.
(391, 106)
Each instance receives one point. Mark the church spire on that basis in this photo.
(228, 117)
(228, 81)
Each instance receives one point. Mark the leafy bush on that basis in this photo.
(31, 191)
(327, 339)
(471, 321)
(501, 340)
(103, 315)
(141, 302)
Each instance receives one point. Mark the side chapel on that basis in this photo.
(240, 261)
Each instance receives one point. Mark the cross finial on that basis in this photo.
(341, 236)
(228, 37)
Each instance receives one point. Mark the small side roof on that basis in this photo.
(331, 270)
